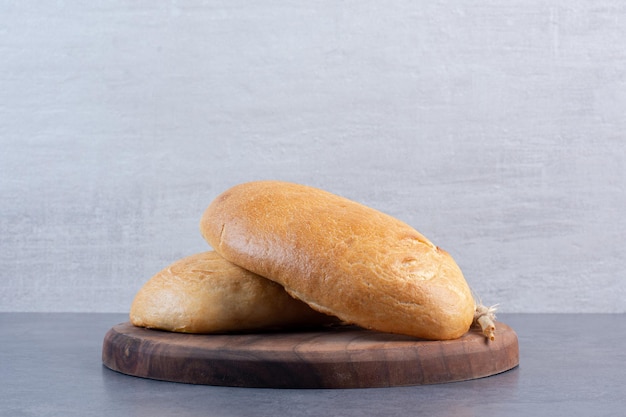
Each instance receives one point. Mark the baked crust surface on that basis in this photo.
(204, 293)
(341, 258)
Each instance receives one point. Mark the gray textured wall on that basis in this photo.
(494, 128)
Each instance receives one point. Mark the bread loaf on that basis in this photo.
(341, 258)
(204, 293)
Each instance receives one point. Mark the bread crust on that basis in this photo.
(341, 258)
(204, 293)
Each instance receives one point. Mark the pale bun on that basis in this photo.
(341, 258)
(204, 293)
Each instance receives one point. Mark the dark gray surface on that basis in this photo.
(571, 365)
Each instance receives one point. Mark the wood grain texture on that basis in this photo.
(339, 357)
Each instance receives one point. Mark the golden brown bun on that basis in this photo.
(204, 293)
(342, 258)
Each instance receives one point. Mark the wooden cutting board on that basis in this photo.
(337, 357)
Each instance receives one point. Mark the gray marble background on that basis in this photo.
(495, 128)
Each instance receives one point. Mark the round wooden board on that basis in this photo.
(337, 357)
